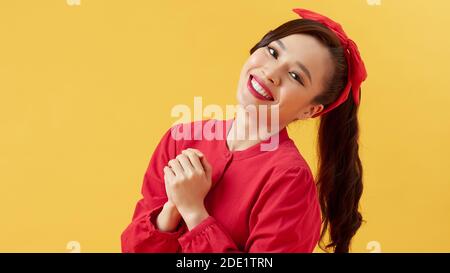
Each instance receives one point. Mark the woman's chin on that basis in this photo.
(247, 100)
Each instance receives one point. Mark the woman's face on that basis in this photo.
(291, 72)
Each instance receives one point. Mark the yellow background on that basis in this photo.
(86, 93)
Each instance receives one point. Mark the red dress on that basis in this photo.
(260, 201)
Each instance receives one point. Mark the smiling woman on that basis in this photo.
(231, 195)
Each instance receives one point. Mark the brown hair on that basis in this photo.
(339, 174)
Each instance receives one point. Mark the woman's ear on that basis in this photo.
(316, 109)
(311, 111)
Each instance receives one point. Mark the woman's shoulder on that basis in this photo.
(289, 157)
(294, 171)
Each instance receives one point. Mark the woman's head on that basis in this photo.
(303, 79)
(302, 65)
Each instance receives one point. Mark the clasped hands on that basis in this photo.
(187, 180)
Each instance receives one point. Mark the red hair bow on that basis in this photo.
(356, 69)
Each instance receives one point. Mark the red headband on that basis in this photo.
(356, 69)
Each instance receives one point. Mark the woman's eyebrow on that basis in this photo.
(302, 66)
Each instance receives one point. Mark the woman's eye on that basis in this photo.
(274, 54)
(297, 78)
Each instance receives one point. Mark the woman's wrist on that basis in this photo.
(194, 218)
(169, 206)
(169, 218)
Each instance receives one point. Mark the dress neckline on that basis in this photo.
(254, 149)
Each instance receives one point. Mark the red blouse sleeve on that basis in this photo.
(142, 235)
(285, 219)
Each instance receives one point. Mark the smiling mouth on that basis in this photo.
(258, 90)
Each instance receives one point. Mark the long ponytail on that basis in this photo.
(339, 176)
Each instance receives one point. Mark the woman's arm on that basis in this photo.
(169, 218)
(152, 216)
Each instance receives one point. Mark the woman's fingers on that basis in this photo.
(194, 159)
(200, 154)
(176, 167)
(207, 167)
(168, 172)
(185, 163)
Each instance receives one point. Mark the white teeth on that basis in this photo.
(259, 89)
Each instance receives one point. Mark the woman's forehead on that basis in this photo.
(308, 51)
(303, 45)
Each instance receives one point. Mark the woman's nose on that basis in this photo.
(272, 76)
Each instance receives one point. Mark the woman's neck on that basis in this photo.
(246, 131)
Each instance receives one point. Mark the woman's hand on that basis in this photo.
(188, 181)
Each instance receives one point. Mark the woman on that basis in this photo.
(229, 194)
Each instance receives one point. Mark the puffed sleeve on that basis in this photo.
(285, 219)
(142, 235)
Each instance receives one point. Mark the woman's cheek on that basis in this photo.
(257, 59)
(290, 97)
